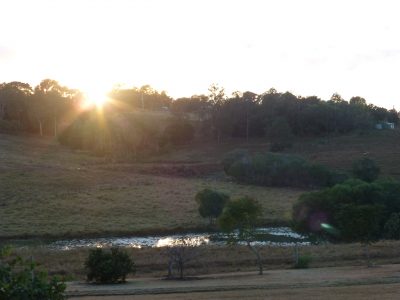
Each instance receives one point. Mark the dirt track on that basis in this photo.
(382, 282)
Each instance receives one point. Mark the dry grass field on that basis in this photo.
(50, 190)
(218, 259)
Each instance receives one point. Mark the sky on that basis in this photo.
(306, 47)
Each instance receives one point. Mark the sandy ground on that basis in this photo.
(382, 282)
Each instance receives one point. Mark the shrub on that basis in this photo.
(108, 266)
(279, 146)
(272, 169)
(392, 227)
(178, 132)
(19, 279)
(280, 135)
(365, 169)
(233, 156)
(303, 262)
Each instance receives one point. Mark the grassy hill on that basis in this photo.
(49, 190)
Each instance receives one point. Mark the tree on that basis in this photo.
(358, 101)
(14, 100)
(178, 132)
(280, 134)
(217, 97)
(353, 211)
(243, 215)
(20, 279)
(51, 102)
(365, 169)
(336, 98)
(392, 227)
(180, 253)
(211, 203)
(360, 223)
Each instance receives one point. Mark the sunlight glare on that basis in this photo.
(95, 97)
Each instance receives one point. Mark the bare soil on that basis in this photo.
(359, 282)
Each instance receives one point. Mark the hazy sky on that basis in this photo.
(182, 46)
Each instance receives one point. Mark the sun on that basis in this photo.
(95, 97)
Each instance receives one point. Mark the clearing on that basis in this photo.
(381, 282)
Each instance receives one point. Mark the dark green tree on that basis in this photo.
(211, 203)
(361, 223)
(354, 211)
(243, 215)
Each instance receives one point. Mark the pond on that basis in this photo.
(274, 236)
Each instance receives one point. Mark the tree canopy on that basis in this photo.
(211, 203)
(243, 215)
(352, 211)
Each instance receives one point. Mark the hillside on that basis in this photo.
(50, 190)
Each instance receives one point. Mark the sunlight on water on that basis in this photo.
(272, 236)
(188, 242)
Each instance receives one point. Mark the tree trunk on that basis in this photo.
(257, 254)
(181, 269)
(247, 125)
(55, 126)
(296, 254)
(170, 268)
(367, 256)
(40, 128)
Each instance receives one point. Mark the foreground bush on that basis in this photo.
(20, 280)
(108, 266)
(272, 169)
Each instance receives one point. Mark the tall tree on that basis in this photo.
(14, 99)
(243, 215)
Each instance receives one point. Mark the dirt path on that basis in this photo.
(381, 282)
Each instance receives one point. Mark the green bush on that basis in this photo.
(365, 169)
(108, 265)
(303, 262)
(352, 211)
(392, 227)
(272, 169)
(20, 280)
(233, 156)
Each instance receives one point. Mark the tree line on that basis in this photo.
(53, 109)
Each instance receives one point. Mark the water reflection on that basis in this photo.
(274, 236)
